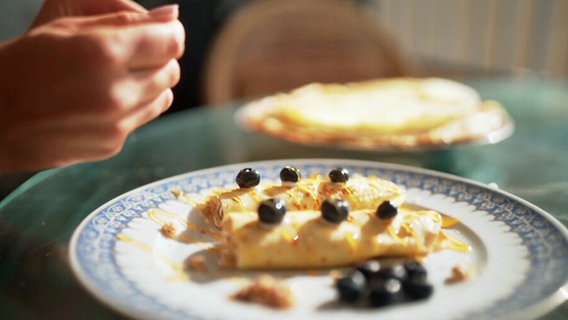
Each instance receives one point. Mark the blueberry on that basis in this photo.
(369, 268)
(415, 270)
(339, 175)
(271, 211)
(418, 288)
(290, 174)
(334, 210)
(387, 210)
(384, 292)
(351, 287)
(248, 178)
(396, 271)
(370, 284)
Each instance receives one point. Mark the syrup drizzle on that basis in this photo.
(176, 266)
(156, 215)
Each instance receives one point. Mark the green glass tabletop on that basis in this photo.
(38, 219)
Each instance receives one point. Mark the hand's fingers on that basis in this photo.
(56, 9)
(117, 97)
(152, 82)
(149, 111)
(155, 46)
(130, 18)
(99, 7)
(148, 40)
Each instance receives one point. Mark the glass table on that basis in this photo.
(38, 219)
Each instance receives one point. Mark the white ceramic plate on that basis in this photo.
(520, 253)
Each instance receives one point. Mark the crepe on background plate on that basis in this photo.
(394, 113)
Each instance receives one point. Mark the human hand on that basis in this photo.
(53, 9)
(73, 89)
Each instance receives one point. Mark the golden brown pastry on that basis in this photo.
(319, 221)
(387, 113)
(305, 240)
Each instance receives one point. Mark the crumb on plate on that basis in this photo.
(196, 263)
(168, 230)
(268, 291)
(459, 273)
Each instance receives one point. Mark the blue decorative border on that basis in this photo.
(545, 239)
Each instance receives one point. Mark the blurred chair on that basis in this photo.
(269, 46)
